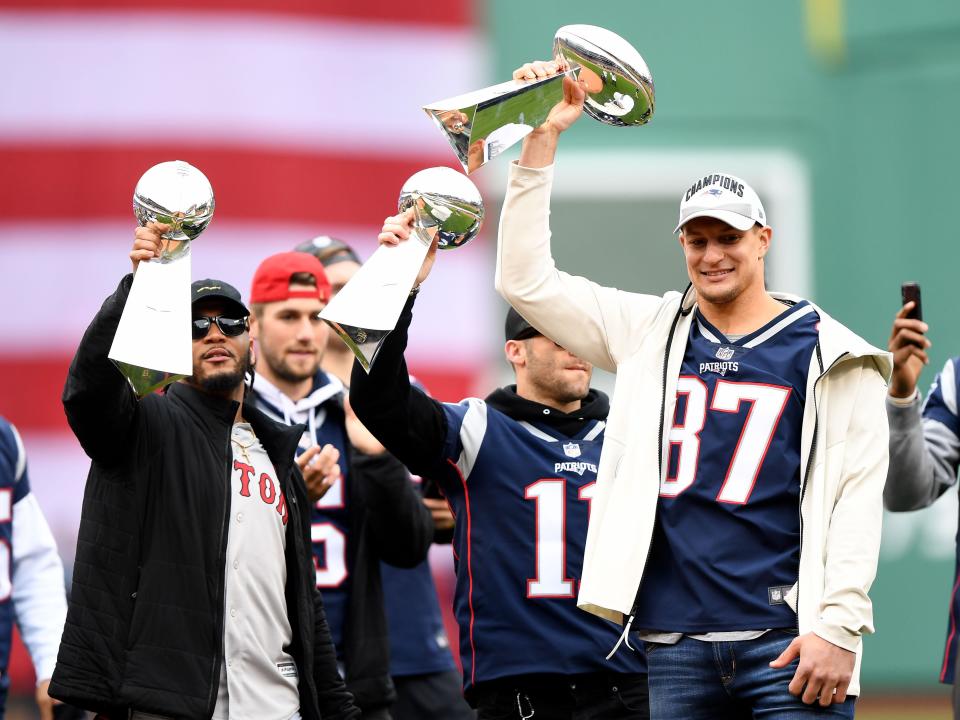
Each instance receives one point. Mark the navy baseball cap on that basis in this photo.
(329, 250)
(516, 328)
(219, 290)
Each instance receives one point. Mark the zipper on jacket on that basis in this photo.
(663, 387)
(663, 412)
(221, 582)
(813, 452)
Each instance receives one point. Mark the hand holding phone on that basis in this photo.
(908, 343)
(910, 292)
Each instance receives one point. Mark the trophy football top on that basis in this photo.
(619, 83)
(481, 124)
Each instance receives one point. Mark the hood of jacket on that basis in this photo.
(595, 406)
(310, 410)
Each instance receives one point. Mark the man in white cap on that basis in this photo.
(736, 521)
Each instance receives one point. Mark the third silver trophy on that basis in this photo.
(447, 208)
(482, 124)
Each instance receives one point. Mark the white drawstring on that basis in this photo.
(309, 408)
(624, 639)
(312, 425)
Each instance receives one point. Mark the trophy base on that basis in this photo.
(144, 380)
(363, 342)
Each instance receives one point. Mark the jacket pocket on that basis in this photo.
(132, 600)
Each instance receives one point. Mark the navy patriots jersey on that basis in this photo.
(941, 429)
(14, 486)
(329, 529)
(726, 544)
(521, 494)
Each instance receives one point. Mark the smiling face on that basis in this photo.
(724, 264)
(548, 373)
(219, 362)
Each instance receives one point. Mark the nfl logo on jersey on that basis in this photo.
(724, 353)
(572, 450)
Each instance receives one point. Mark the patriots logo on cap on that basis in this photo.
(716, 192)
(571, 450)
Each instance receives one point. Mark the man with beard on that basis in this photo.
(519, 469)
(421, 665)
(361, 515)
(192, 590)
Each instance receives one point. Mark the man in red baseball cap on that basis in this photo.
(421, 664)
(364, 510)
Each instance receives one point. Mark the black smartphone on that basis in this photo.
(911, 291)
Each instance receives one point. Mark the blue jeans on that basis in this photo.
(697, 680)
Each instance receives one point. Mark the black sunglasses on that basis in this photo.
(230, 327)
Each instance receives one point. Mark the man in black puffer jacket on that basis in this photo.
(193, 589)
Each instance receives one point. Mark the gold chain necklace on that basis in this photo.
(244, 448)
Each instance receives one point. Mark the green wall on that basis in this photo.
(873, 120)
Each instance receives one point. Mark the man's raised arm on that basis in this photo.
(99, 402)
(582, 316)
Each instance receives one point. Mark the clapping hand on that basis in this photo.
(321, 469)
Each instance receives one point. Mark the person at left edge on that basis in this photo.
(193, 593)
(31, 574)
(364, 511)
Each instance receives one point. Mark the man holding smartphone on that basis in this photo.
(924, 442)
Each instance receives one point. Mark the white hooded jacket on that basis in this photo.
(642, 338)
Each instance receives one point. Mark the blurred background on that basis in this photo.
(306, 118)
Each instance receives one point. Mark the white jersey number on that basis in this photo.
(767, 403)
(330, 542)
(550, 496)
(334, 549)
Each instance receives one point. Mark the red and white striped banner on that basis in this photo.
(304, 115)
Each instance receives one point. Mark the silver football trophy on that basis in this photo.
(447, 207)
(153, 345)
(482, 124)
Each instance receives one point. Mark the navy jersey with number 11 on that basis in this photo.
(726, 544)
(521, 493)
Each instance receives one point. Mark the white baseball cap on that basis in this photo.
(724, 197)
